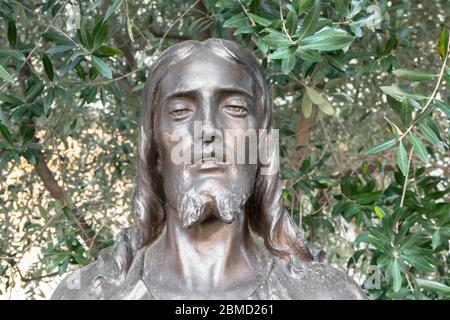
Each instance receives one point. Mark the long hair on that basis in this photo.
(269, 218)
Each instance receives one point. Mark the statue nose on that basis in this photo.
(208, 134)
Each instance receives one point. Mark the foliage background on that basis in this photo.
(361, 100)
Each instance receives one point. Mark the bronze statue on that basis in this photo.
(208, 228)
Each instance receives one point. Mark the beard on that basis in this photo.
(199, 196)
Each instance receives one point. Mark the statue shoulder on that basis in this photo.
(78, 284)
(75, 285)
(317, 281)
(101, 280)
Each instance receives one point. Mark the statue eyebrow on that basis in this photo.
(194, 93)
(235, 91)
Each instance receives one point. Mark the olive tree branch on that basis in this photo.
(433, 95)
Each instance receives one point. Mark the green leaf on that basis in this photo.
(402, 159)
(391, 44)
(280, 53)
(436, 239)
(395, 128)
(397, 93)
(306, 106)
(56, 37)
(60, 49)
(315, 96)
(27, 133)
(413, 74)
(276, 40)
(48, 67)
(113, 8)
(300, 5)
(418, 147)
(418, 262)
(244, 30)
(227, 4)
(34, 90)
(433, 285)
(100, 33)
(237, 21)
(379, 212)
(326, 108)
(443, 43)
(12, 32)
(259, 20)
(382, 146)
(287, 64)
(322, 103)
(329, 39)
(262, 45)
(105, 51)
(308, 55)
(444, 107)
(101, 67)
(310, 21)
(5, 75)
(291, 20)
(366, 237)
(406, 111)
(6, 134)
(396, 274)
(429, 134)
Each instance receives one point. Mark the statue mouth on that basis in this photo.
(209, 163)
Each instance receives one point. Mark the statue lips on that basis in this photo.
(209, 164)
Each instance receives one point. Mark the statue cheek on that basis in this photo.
(176, 148)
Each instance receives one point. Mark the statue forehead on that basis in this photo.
(205, 70)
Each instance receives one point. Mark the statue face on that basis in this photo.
(200, 101)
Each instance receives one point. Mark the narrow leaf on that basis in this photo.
(397, 93)
(315, 96)
(288, 63)
(310, 21)
(402, 159)
(116, 4)
(259, 20)
(306, 106)
(433, 285)
(329, 39)
(280, 53)
(12, 32)
(5, 75)
(444, 107)
(101, 67)
(413, 74)
(443, 43)
(418, 147)
(6, 134)
(48, 67)
(326, 108)
(429, 134)
(382, 146)
(396, 275)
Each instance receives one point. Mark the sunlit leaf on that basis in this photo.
(382, 146)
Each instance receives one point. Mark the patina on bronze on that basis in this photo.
(209, 229)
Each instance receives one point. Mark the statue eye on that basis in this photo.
(235, 110)
(180, 114)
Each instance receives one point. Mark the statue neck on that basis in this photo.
(210, 253)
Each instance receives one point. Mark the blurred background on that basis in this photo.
(361, 99)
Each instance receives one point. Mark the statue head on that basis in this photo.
(186, 80)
